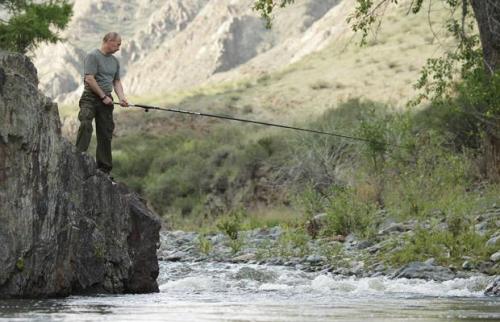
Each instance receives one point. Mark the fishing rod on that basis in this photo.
(175, 110)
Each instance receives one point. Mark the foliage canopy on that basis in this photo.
(31, 22)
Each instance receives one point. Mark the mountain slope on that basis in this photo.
(173, 44)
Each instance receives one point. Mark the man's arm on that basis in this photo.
(117, 84)
(90, 80)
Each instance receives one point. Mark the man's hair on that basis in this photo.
(110, 36)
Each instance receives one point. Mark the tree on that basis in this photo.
(487, 14)
(30, 23)
(476, 60)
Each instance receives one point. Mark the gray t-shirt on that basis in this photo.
(105, 69)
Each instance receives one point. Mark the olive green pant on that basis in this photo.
(91, 107)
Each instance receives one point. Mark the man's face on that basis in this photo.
(114, 45)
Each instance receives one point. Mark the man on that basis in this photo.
(101, 76)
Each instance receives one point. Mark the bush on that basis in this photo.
(205, 246)
(348, 214)
(230, 224)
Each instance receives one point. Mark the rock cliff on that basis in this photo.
(64, 228)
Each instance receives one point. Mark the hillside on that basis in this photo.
(172, 46)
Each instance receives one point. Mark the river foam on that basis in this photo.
(254, 279)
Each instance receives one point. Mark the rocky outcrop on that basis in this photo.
(65, 228)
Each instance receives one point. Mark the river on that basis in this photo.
(241, 292)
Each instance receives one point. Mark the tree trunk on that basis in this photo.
(487, 13)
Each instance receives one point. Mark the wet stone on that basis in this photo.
(425, 271)
(175, 257)
(263, 276)
(244, 257)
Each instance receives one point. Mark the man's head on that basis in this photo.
(111, 43)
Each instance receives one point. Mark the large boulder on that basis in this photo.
(426, 271)
(64, 227)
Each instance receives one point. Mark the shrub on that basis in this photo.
(292, 242)
(204, 244)
(347, 214)
(230, 224)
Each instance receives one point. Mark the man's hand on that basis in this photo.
(123, 102)
(117, 84)
(107, 101)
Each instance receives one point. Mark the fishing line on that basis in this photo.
(174, 110)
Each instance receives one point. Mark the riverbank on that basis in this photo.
(348, 256)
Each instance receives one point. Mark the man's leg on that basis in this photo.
(85, 116)
(104, 129)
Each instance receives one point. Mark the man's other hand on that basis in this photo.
(123, 102)
(107, 100)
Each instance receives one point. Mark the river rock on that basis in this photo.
(468, 265)
(175, 257)
(486, 267)
(315, 259)
(244, 258)
(481, 228)
(259, 275)
(493, 241)
(392, 227)
(357, 268)
(364, 244)
(495, 257)
(424, 271)
(65, 227)
(377, 247)
(493, 289)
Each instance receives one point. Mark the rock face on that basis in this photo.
(65, 229)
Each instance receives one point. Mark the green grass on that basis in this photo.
(446, 247)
